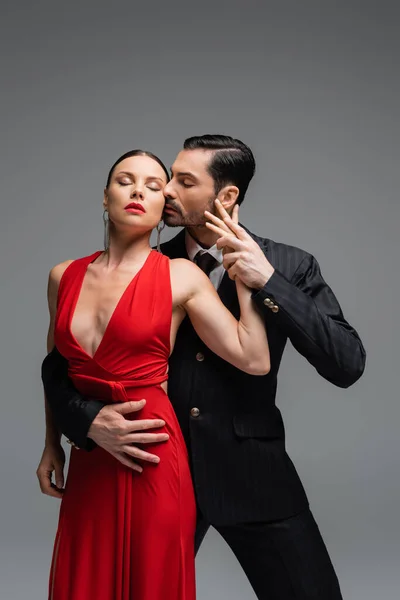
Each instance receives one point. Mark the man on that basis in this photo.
(246, 485)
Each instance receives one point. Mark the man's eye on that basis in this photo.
(187, 184)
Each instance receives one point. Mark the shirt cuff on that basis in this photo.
(273, 293)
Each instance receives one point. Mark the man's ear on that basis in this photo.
(228, 197)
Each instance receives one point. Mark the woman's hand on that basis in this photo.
(225, 227)
(53, 460)
(243, 257)
(243, 343)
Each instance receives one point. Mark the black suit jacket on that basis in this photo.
(236, 439)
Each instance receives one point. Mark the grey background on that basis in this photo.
(313, 88)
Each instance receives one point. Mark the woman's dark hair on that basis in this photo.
(136, 153)
(232, 161)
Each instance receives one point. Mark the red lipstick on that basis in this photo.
(134, 207)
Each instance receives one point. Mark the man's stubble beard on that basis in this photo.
(190, 220)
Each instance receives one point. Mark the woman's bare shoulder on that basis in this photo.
(54, 282)
(183, 267)
(58, 271)
(186, 276)
(182, 263)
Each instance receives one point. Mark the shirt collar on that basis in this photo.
(192, 248)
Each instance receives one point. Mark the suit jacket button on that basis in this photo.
(200, 356)
(275, 308)
(194, 412)
(267, 301)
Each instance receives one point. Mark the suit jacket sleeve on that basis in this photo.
(307, 310)
(73, 412)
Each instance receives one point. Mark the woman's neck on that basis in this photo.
(127, 251)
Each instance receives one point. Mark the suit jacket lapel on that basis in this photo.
(176, 247)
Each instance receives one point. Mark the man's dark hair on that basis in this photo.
(232, 161)
(136, 153)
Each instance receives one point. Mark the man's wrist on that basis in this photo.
(263, 280)
(92, 431)
(95, 417)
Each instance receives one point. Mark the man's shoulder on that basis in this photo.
(278, 248)
(175, 247)
(284, 257)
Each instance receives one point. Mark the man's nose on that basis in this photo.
(169, 190)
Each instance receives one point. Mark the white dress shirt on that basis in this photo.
(192, 248)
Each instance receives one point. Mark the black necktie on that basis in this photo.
(205, 261)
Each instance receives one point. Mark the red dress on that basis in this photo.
(124, 535)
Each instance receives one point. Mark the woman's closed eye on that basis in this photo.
(151, 186)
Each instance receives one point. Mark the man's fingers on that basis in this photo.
(232, 272)
(217, 222)
(146, 438)
(231, 222)
(236, 229)
(230, 259)
(140, 454)
(143, 424)
(225, 216)
(235, 214)
(137, 424)
(229, 241)
(225, 223)
(216, 229)
(220, 207)
(124, 408)
(124, 460)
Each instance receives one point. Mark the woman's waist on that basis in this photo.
(118, 389)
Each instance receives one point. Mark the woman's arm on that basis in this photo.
(243, 343)
(53, 434)
(53, 457)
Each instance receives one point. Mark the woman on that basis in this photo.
(114, 315)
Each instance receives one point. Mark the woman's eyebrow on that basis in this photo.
(154, 177)
(132, 175)
(124, 173)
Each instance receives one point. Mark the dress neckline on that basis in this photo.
(94, 257)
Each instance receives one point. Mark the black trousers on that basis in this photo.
(283, 560)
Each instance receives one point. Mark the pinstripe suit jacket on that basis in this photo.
(236, 438)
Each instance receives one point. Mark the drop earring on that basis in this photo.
(159, 228)
(106, 221)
